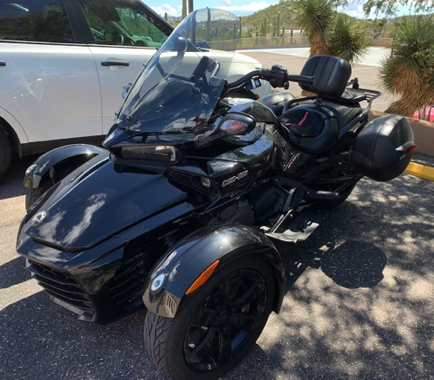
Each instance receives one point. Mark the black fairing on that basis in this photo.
(259, 111)
(96, 201)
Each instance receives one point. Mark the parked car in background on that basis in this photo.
(426, 113)
(63, 64)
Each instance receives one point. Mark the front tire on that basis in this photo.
(5, 153)
(216, 326)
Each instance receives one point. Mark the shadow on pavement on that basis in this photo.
(359, 305)
(13, 273)
(11, 185)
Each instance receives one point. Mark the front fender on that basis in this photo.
(58, 159)
(179, 268)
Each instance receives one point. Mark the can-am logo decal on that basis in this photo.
(235, 178)
(39, 218)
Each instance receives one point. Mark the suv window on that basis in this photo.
(118, 23)
(34, 20)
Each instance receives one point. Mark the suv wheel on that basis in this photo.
(5, 153)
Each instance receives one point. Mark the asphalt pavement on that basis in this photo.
(359, 301)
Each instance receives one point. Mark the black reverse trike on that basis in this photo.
(179, 208)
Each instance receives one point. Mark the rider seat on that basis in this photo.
(314, 125)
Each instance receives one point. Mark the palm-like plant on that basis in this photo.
(348, 40)
(329, 33)
(410, 69)
(316, 17)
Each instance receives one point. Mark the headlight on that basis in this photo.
(165, 153)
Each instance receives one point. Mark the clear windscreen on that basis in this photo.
(178, 90)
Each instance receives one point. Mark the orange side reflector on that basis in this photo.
(203, 277)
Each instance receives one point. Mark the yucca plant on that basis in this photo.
(328, 32)
(316, 17)
(409, 71)
(347, 40)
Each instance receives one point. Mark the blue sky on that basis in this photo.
(243, 7)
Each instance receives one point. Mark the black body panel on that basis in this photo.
(104, 202)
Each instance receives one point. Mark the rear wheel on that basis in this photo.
(218, 324)
(5, 153)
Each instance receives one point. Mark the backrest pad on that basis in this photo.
(331, 75)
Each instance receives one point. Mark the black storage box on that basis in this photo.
(383, 149)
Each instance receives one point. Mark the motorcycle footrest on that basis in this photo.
(312, 195)
(297, 228)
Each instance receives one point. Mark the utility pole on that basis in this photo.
(190, 6)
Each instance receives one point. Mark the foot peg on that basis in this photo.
(313, 195)
(298, 228)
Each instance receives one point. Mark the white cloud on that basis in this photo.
(226, 2)
(354, 10)
(171, 11)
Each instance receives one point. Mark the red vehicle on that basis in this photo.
(426, 113)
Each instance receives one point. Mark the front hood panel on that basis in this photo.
(92, 206)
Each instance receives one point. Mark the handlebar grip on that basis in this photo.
(305, 79)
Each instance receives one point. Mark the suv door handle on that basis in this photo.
(2, 63)
(115, 63)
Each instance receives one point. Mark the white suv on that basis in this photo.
(63, 64)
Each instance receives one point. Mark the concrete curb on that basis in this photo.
(422, 171)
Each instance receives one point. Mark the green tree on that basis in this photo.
(388, 7)
(409, 71)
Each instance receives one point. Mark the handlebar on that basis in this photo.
(277, 76)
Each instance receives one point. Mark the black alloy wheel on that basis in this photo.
(218, 325)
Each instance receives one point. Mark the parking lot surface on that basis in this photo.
(359, 301)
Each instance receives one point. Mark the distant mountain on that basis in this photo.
(286, 15)
(287, 19)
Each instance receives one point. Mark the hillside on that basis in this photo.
(287, 19)
(286, 15)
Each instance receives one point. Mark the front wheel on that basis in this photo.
(218, 324)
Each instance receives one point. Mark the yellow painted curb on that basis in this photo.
(420, 171)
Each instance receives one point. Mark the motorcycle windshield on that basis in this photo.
(177, 91)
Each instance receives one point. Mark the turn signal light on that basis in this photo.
(203, 277)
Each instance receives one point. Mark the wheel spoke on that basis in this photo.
(225, 347)
(246, 322)
(204, 348)
(204, 317)
(251, 294)
(231, 287)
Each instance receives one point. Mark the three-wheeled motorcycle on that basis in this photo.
(179, 208)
